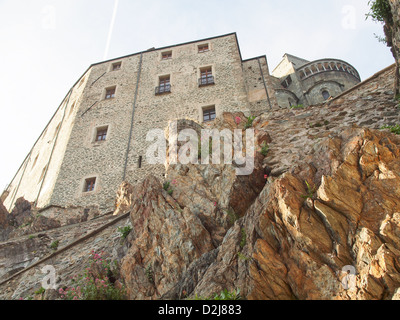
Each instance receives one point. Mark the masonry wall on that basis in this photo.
(335, 82)
(259, 85)
(107, 161)
(85, 158)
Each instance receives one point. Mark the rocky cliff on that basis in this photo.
(319, 217)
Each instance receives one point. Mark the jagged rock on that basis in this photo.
(167, 239)
(21, 214)
(296, 252)
(42, 223)
(3, 216)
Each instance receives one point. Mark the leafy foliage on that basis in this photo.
(393, 129)
(167, 187)
(310, 191)
(224, 295)
(98, 282)
(249, 122)
(264, 149)
(379, 11)
(54, 245)
(124, 231)
(299, 106)
(243, 239)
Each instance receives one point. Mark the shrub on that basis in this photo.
(98, 281)
(233, 217)
(264, 149)
(379, 11)
(393, 129)
(40, 291)
(54, 245)
(167, 187)
(249, 122)
(124, 231)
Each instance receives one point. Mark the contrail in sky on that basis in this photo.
(110, 32)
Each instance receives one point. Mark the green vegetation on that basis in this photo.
(233, 217)
(249, 122)
(149, 274)
(243, 239)
(40, 291)
(54, 245)
(299, 106)
(310, 191)
(393, 129)
(124, 231)
(242, 257)
(98, 282)
(224, 295)
(379, 11)
(167, 187)
(264, 149)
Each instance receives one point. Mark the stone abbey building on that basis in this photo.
(97, 137)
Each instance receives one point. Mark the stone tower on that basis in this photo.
(300, 82)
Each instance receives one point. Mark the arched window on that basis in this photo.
(326, 94)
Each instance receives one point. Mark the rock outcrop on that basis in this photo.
(338, 209)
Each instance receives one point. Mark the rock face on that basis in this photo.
(298, 247)
(334, 211)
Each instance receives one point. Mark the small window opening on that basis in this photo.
(209, 114)
(326, 94)
(90, 184)
(110, 93)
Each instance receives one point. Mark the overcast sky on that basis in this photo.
(46, 45)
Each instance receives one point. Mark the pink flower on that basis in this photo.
(215, 204)
(265, 176)
(238, 120)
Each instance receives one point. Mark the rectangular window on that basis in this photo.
(166, 55)
(140, 162)
(203, 48)
(287, 82)
(101, 134)
(209, 114)
(164, 85)
(206, 76)
(110, 93)
(90, 184)
(116, 66)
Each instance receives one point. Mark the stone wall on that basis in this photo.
(71, 156)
